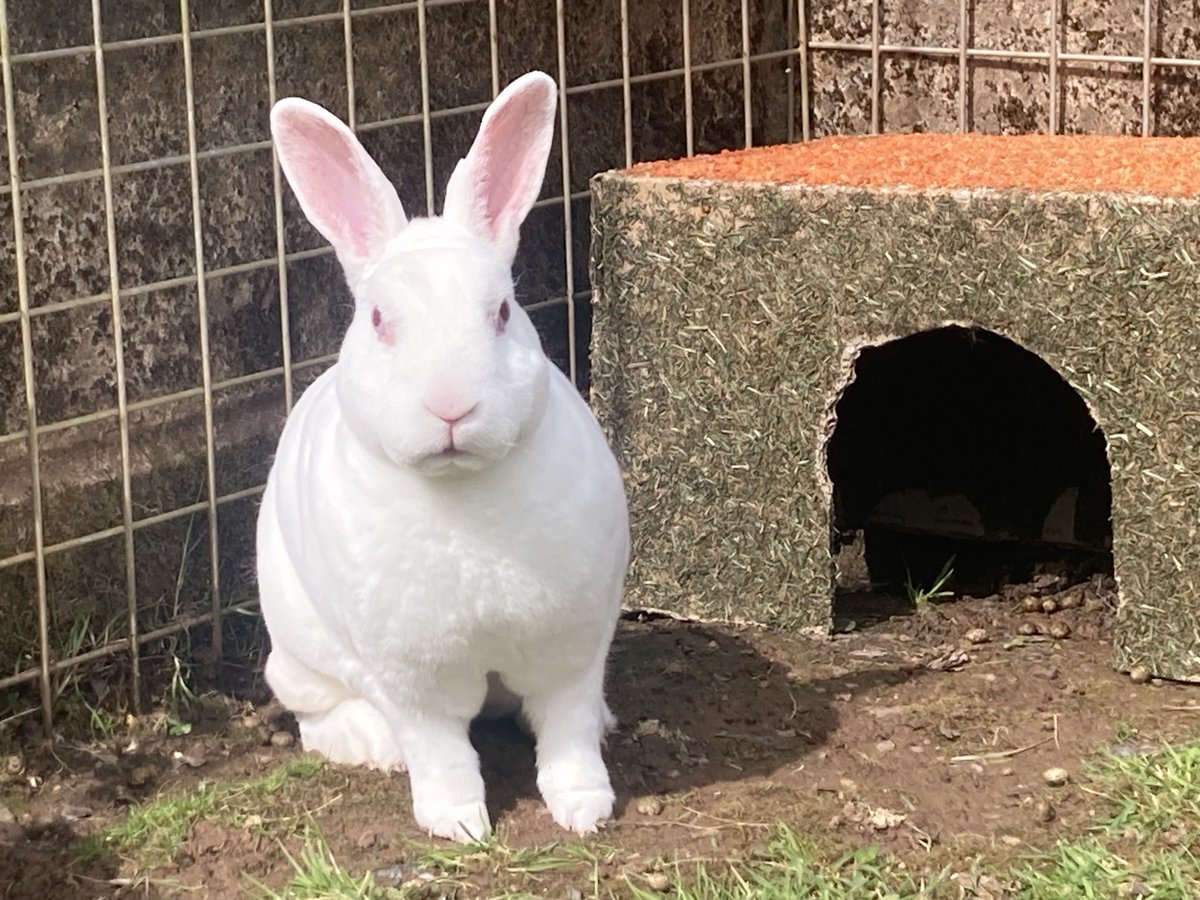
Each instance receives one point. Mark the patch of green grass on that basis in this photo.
(921, 597)
(495, 855)
(1124, 732)
(1092, 870)
(104, 723)
(1142, 847)
(318, 876)
(790, 867)
(1152, 794)
(151, 833)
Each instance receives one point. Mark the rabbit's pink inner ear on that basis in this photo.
(340, 189)
(515, 163)
(507, 163)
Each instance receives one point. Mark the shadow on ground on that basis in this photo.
(696, 707)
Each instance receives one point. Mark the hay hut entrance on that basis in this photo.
(958, 442)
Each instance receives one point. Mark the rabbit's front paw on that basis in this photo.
(466, 823)
(580, 810)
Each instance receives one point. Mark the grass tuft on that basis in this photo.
(921, 597)
(1092, 870)
(1142, 848)
(152, 832)
(496, 855)
(318, 876)
(789, 867)
(1152, 794)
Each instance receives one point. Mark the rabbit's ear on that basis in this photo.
(493, 188)
(340, 188)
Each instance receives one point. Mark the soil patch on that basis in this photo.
(925, 733)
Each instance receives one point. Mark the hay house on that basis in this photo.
(967, 347)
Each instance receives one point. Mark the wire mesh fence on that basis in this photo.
(163, 302)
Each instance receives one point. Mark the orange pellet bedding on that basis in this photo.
(1153, 166)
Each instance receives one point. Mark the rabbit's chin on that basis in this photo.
(451, 463)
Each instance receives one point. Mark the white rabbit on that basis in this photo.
(444, 525)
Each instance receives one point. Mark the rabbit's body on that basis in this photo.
(444, 530)
(469, 581)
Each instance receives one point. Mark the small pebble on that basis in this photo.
(657, 881)
(1031, 604)
(1073, 600)
(369, 839)
(192, 761)
(1139, 674)
(1028, 629)
(1045, 811)
(977, 636)
(282, 739)
(1059, 630)
(1056, 777)
(1049, 605)
(949, 732)
(885, 746)
(140, 776)
(14, 764)
(650, 806)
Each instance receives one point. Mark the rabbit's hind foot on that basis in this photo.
(352, 733)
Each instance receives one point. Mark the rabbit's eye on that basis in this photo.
(502, 317)
(383, 330)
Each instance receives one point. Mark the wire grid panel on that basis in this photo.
(1131, 67)
(166, 302)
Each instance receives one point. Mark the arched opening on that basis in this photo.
(958, 443)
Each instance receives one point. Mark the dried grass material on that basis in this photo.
(1158, 166)
(714, 396)
(723, 312)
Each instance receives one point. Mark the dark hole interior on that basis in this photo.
(959, 442)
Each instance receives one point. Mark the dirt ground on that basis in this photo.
(898, 731)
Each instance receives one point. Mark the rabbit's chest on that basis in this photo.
(443, 589)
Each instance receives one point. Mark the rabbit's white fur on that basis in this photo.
(444, 526)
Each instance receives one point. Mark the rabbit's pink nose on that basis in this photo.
(449, 405)
(447, 399)
(452, 415)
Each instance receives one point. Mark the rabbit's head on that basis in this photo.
(441, 369)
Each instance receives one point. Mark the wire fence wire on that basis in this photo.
(642, 106)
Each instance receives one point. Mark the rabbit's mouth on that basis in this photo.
(450, 460)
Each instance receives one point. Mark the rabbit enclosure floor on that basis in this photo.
(901, 732)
